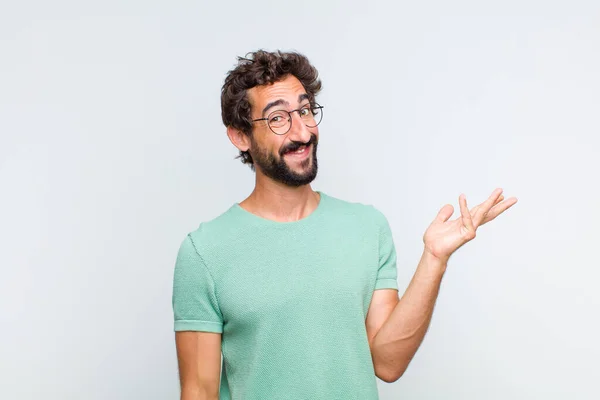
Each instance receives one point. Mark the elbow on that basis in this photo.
(388, 375)
(389, 378)
(199, 393)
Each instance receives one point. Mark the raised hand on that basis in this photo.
(444, 237)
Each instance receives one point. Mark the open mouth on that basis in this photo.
(301, 151)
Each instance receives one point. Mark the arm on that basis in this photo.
(396, 328)
(198, 325)
(199, 361)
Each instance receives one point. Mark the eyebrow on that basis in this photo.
(273, 104)
(303, 96)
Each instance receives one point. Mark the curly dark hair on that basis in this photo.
(261, 68)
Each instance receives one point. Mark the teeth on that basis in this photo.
(300, 150)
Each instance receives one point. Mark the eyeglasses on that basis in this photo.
(280, 121)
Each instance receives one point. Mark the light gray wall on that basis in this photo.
(112, 149)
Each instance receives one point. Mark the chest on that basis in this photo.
(293, 277)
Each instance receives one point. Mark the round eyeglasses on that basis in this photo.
(280, 121)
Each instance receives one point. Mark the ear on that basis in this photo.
(238, 138)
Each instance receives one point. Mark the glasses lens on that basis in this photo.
(279, 122)
(312, 115)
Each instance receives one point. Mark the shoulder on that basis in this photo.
(363, 212)
(360, 209)
(211, 233)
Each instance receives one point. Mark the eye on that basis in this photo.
(305, 112)
(278, 118)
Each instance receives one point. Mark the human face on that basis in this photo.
(290, 158)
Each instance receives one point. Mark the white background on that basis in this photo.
(112, 149)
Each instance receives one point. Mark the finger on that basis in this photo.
(486, 206)
(499, 209)
(465, 214)
(492, 200)
(477, 207)
(496, 197)
(445, 213)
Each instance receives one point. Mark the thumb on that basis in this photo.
(445, 213)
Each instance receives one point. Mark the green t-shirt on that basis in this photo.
(290, 299)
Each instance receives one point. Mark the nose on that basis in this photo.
(299, 132)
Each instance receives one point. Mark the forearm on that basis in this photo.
(400, 336)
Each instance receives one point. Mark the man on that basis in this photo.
(297, 289)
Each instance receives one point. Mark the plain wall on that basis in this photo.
(112, 149)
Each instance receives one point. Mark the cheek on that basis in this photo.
(267, 143)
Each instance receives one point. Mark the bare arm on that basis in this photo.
(396, 328)
(199, 360)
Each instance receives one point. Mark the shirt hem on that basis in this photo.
(202, 326)
(386, 284)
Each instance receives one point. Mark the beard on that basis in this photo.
(275, 167)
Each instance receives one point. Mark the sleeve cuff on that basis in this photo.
(200, 326)
(386, 284)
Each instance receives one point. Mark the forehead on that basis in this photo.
(287, 89)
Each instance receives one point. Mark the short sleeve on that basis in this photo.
(387, 273)
(194, 301)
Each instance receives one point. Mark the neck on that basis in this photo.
(279, 202)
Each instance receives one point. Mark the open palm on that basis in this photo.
(443, 237)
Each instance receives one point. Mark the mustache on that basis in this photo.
(293, 146)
